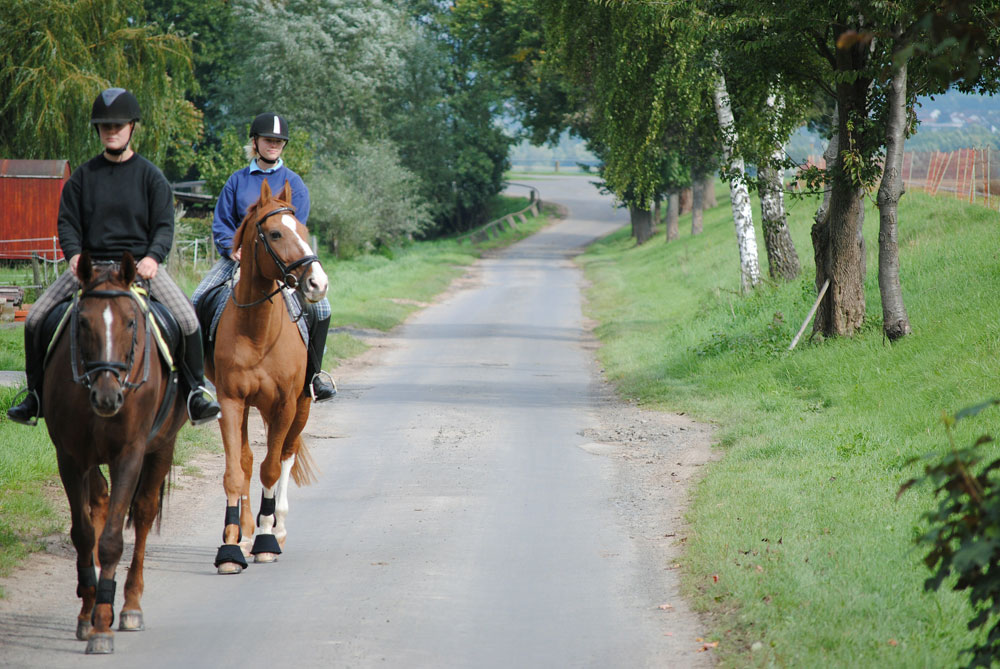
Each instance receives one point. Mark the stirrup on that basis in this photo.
(187, 406)
(312, 389)
(33, 421)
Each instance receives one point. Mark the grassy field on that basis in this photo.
(798, 548)
(371, 292)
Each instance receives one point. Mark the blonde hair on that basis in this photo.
(250, 150)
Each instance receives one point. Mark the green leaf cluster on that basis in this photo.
(964, 531)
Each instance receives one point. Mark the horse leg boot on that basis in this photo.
(30, 409)
(200, 410)
(316, 385)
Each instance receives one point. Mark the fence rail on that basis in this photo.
(496, 227)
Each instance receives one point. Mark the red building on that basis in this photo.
(29, 207)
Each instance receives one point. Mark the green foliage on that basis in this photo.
(58, 55)
(964, 531)
(368, 200)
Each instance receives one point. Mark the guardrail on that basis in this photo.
(495, 228)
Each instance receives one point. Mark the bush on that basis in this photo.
(964, 534)
(366, 201)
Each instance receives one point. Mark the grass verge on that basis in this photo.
(798, 548)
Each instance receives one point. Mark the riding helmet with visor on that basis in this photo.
(115, 105)
(269, 125)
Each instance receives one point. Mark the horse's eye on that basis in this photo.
(275, 234)
(131, 323)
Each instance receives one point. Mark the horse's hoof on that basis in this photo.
(83, 629)
(100, 644)
(230, 568)
(131, 621)
(265, 557)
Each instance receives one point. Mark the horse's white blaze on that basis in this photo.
(318, 275)
(109, 318)
(281, 503)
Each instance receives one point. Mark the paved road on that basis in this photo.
(456, 523)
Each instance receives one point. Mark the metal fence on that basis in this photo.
(965, 174)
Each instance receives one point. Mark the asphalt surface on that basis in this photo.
(457, 520)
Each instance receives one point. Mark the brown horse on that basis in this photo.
(123, 411)
(263, 364)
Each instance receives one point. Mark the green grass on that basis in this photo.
(370, 292)
(814, 557)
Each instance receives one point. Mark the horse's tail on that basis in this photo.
(304, 470)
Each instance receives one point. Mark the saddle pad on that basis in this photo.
(215, 300)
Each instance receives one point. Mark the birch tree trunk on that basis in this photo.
(739, 196)
(895, 321)
(782, 259)
(673, 214)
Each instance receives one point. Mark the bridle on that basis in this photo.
(120, 370)
(288, 279)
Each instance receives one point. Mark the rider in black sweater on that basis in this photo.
(117, 201)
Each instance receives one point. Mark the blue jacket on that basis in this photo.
(242, 189)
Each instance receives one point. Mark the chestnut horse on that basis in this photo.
(263, 364)
(123, 411)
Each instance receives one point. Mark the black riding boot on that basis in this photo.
(316, 384)
(30, 409)
(192, 367)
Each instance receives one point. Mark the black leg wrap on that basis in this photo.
(86, 578)
(265, 543)
(105, 591)
(266, 507)
(230, 553)
(232, 518)
(105, 595)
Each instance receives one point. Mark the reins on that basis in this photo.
(288, 279)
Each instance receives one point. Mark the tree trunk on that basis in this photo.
(739, 196)
(782, 259)
(697, 206)
(642, 224)
(656, 214)
(687, 199)
(838, 242)
(895, 321)
(709, 184)
(673, 214)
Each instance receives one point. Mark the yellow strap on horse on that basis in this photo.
(142, 295)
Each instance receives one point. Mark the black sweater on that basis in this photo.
(108, 208)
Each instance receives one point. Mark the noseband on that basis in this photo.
(288, 279)
(93, 369)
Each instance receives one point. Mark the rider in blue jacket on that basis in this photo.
(268, 137)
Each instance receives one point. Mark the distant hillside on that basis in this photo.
(947, 122)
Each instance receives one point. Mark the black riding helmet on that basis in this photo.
(269, 125)
(115, 105)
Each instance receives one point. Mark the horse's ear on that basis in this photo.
(84, 268)
(128, 268)
(286, 193)
(265, 192)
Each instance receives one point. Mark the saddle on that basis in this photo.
(209, 308)
(166, 330)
